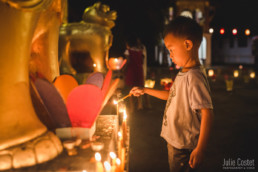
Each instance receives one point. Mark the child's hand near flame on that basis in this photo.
(137, 91)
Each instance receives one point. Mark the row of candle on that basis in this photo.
(122, 133)
(235, 73)
(114, 166)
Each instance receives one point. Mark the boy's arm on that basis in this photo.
(161, 94)
(205, 129)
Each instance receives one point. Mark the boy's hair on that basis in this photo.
(185, 27)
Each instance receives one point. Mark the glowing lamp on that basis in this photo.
(116, 63)
(252, 75)
(149, 83)
(94, 65)
(234, 31)
(210, 72)
(211, 30)
(222, 31)
(236, 73)
(247, 32)
(166, 83)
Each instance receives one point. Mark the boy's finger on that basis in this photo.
(191, 161)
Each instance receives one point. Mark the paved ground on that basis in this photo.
(234, 135)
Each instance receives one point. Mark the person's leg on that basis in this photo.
(178, 159)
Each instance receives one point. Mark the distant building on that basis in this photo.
(198, 10)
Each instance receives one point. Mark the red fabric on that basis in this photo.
(134, 70)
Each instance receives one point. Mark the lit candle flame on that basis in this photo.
(107, 166)
(125, 115)
(118, 161)
(252, 75)
(112, 155)
(115, 102)
(236, 73)
(94, 65)
(119, 134)
(84, 170)
(211, 73)
(97, 156)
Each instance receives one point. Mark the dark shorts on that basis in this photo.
(178, 159)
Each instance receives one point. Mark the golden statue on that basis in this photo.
(29, 46)
(84, 46)
(29, 37)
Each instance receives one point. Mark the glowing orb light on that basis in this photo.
(236, 73)
(222, 31)
(247, 32)
(210, 72)
(234, 31)
(211, 30)
(252, 75)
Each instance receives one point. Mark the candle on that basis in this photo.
(236, 73)
(107, 166)
(99, 166)
(252, 75)
(118, 165)
(119, 143)
(113, 158)
(210, 72)
(123, 159)
(124, 128)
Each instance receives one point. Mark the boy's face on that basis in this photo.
(177, 48)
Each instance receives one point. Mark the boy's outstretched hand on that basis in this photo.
(196, 158)
(137, 91)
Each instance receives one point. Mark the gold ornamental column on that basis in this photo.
(24, 140)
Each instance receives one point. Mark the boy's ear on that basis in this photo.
(188, 44)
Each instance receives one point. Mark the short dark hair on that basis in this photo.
(185, 27)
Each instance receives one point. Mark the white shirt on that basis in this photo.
(182, 118)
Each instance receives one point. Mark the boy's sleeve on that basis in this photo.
(199, 92)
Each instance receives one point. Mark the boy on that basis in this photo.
(188, 114)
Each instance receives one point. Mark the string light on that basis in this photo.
(234, 31)
(247, 32)
(211, 30)
(222, 31)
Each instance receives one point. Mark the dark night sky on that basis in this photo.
(146, 17)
